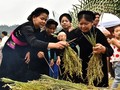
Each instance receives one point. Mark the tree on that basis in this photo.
(100, 6)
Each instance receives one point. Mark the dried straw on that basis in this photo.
(94, 69)
(72, 63)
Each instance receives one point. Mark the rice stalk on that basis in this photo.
(94, 69)
(44, 83)
(72, 64)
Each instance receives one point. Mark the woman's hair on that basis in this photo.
(88, 15)
(96, 13)
(4, 33)
(65, 15)
(51, 21)
(37, 12)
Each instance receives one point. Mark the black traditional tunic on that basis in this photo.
(13, 63)
(86, 50)
(40, 65)
(72, 44)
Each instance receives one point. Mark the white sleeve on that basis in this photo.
(4, 39)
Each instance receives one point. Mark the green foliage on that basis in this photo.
(100, 6)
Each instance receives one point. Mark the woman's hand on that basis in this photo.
(27, 57)
(58, 45)
(71, 28)
(58, 60)
(114, 41)
(51, 62)
(40, 54)
(62, 36)
(61, 44)
(99, 48)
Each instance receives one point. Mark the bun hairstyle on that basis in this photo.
(51, 21)
(65, 15)
(88, 15)
(37, 12)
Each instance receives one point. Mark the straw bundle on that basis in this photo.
(72, 63)
(44, 83)
(94, 69)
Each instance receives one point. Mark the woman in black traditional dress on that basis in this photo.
(15, 58)
(85, 27)
(66, 22)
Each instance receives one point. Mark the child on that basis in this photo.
(115, 58)
(54, 58)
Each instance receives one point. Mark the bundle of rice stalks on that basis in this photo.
(72, 64)
(45, 83)
(94, 69)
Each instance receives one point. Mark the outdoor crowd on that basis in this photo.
(35, 47)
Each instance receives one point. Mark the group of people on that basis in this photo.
(31, 51)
